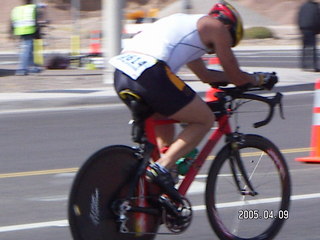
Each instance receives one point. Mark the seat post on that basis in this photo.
(140, 112)
(138, 125)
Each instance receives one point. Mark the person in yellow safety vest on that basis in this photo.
(24, 25)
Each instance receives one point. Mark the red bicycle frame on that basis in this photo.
(223, 129)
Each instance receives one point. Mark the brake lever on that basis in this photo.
(278, 100)
(236, 92)
(272, 103)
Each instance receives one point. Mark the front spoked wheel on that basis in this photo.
(237, 210)
(97, 193)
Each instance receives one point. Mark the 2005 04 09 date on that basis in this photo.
(254, 214)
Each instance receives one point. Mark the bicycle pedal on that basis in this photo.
(175, 210)
(168, 205)
(177, 217)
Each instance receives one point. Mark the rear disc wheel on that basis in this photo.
(100, 182)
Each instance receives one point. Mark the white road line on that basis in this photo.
(9, 63)
(265, 200)
(64, 223)
(60, 223)
(62, 109)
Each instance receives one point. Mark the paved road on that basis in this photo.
(41, 151)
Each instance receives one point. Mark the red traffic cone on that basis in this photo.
(315, 129)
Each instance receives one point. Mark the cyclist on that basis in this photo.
(148, 66)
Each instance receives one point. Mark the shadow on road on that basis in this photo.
(7, 72)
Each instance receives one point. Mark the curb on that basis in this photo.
(45, 103)
(103, 99)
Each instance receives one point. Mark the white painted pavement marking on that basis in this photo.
(60, 223)
(64, 223)
(60, 109)
(265, 200)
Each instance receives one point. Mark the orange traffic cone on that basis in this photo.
(95, 43)
(214, 61)
(211, 60)
(315, 130)
(210, 94)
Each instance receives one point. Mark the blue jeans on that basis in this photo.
(26, 63)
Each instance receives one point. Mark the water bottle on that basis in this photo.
(183, 164)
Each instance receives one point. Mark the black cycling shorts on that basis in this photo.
(159, 87)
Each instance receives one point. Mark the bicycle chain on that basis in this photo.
(175, 224)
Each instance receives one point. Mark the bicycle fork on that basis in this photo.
(236, 165)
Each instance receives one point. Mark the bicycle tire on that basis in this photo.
(236, 217)
(102, 180)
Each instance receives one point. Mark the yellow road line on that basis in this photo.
(284, 151)
(37, 173)
(72, 170)
(296, 150)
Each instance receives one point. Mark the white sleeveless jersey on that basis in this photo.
(174, 40)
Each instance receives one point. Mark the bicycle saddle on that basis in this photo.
(140, 112)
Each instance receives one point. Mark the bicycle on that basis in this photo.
(245, 198)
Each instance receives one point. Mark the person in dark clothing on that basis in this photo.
(309, 25)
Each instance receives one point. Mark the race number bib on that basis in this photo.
(133, 64)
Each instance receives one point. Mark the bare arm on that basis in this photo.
(210, 76)
(205, 75)
(214, 33)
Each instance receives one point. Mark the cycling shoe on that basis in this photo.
(162, 177)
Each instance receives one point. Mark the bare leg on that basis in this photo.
(200, 119)
(165, 135)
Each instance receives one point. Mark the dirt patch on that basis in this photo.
(281, 11)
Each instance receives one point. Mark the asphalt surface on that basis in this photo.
(82, 87)
(54, 89)
(41, 151)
